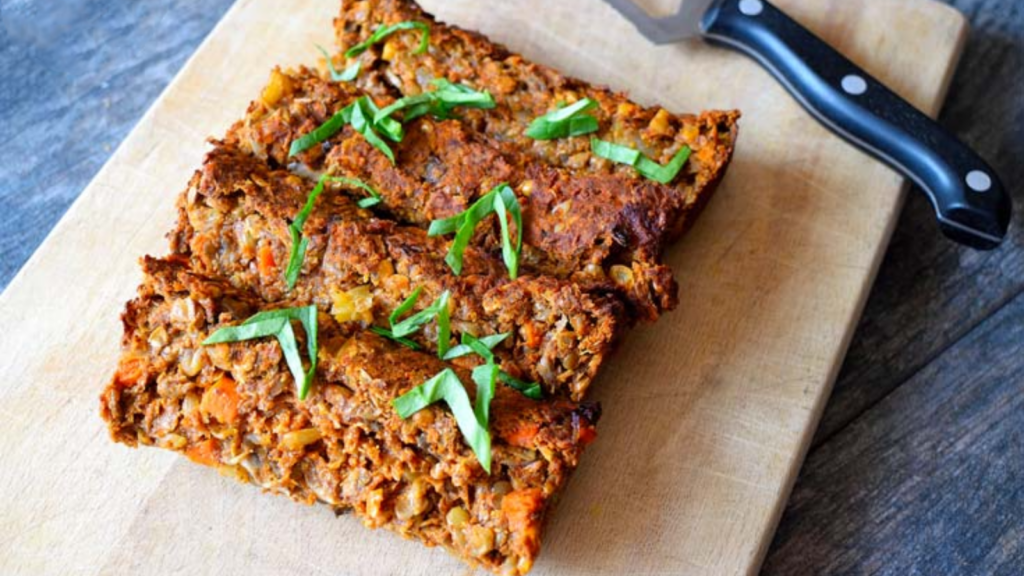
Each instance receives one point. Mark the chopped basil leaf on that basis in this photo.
(666, 173)
(529, 389)
(642, 164)
(385, 31)
(300, 243)
(348, 75)
(614, 152)
(438, 309)
(391, 336)
(362, 113)
(511, 256)
(277, 323)
(321, 132)
(464, 225)
(464, 348)
(486, 377)
(374, 197)
(445, 385)
(482, 347)
(359, 114)
(564, 122)
(439, 102)
(405, 306)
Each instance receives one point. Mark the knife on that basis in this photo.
(970, 203)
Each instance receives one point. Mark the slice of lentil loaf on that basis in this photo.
(524, 90)
(602, 230)
(232, 407)
(233, 224)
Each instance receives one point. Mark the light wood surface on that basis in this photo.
(707, 413)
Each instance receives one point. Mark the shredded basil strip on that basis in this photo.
(438, 309)
(508, 254)
(362, 115)
(439, 102)
(348, 75)
(482, 347)
(565, 122)
(300, 243)
(528, 389)
(614, 152)
(374, 197)
(405, 306)
(385, 31)
(445, 385)
(485, 377)
(277, 323)
(359, 114)
(667, 173)
(321, 132)
(464, 348)
(391, 336)
(642, 164)
(464, 225)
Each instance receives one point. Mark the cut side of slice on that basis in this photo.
(232, 407)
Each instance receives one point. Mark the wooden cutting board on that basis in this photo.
(708, 413)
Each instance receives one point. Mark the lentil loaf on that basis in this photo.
(232, 407)
(233, 224)
(593, 235)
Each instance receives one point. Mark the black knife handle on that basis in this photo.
(971, 204)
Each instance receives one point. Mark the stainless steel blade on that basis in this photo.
(685, 23)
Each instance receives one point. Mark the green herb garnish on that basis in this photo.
(499, 199)
(385, 31)
(565, 122)
(299, 242)
(667, 173)
(348, 75)
(482, 347)
(446, 386)
(391, 336)
(464, 348)
(278, 323)
(439, 102)
(359, 114)
(614, 152)
(529, 389)
(405, 306)
(644, 165)
(438, 309)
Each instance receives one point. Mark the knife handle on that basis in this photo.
(970, 202)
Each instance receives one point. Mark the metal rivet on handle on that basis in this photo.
(854, 85)
(751, 7)
(979, 181)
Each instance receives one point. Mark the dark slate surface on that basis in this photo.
(918, 467)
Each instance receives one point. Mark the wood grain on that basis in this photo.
(726, 391)
(928, 482)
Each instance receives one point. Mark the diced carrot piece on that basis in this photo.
(265, 261)
(220, 401)
(522, 509)
(129, 371)
(587, 434)
(204, 452)
(523, 435)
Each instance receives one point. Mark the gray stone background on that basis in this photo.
(918, 467)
